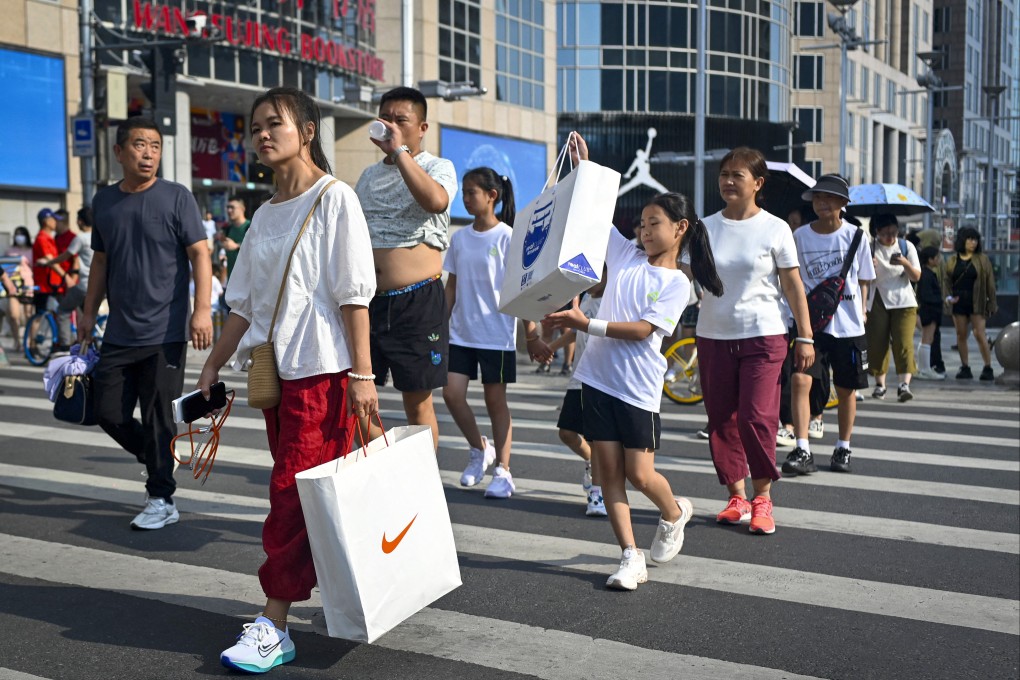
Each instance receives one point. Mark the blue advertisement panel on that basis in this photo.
(522, 162)
(33, 153)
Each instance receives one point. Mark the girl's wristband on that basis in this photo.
(806, 341)
(598, 327)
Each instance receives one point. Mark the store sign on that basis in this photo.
(217, 146)
(153, 17)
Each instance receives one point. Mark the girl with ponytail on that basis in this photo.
(480, 335)
(621, 371)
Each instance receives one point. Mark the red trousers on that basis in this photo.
(740, 379)
(308, 428)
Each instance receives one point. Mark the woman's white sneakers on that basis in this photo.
(260, 647)
(632, 571)
(480, 460)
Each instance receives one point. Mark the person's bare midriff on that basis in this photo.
(399, 267)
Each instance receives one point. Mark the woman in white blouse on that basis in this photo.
(892, 309)
(321, 342)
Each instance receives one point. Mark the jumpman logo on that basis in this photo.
(640, 171)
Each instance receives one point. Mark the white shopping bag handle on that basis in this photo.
(563, 155)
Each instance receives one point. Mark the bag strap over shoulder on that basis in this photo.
(851, 253)
(286, 270)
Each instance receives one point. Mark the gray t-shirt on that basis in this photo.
(395, 220)
(145, 237)
(82, 247)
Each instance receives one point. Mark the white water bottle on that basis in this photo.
(378, 131)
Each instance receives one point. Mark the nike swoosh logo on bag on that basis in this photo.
(390, 546)
(266, 651)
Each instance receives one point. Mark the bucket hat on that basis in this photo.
(829, 184)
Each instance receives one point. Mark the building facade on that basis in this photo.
(344, 53)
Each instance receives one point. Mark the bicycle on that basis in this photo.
(682, 381)
(41, 335)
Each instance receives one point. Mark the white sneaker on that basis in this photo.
(260, 647)
(156, 515)
(632, 571)
(785, 438)
(669, 537)
(502, 484)
(480, 461)
(860, 396)
(929, 374)
(596, 506)
(702, 434)
(816, 430)
(586, 478)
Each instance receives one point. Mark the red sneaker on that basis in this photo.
(737, 510)
(761, 516)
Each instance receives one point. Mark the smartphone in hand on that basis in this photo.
(192, 406)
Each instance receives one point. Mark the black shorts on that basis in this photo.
(848, 358)
(689, 317)
(410, 338)
(608, 419)
(499, 367)
(930, 314)
(570, 413)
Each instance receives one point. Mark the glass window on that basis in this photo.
(610, 92)
(199, 57)
(270, 71)
(678, 89)
(658, 26)
(520, 50)
(590, 24)
(612, 57)
(612, 24)
(223, 63)
(808, 72)
(460, 51)
(809, 121)
(809, 19)
(589, 90)
(249, 67)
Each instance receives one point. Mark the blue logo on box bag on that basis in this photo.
(579, 265)
(538, 232)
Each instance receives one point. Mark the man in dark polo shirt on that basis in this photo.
(146, 232)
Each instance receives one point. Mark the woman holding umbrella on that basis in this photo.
(970, 289)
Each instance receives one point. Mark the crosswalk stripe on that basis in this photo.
(9, 674)
(983, 494)
(552, 654)
(822, 590)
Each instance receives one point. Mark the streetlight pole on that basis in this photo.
(848, 40)
(88, 163)
(930, 82)
(993, 92)
(700, 108)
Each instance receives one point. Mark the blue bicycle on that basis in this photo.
(42, 336)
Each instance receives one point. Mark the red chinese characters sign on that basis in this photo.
(153, 17)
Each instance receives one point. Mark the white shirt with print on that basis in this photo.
(821, 256)
(632, 370)
(478, 260)
(748, 256)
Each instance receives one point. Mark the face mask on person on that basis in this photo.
(20, 240)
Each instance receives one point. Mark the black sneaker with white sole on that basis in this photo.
(799, 462)
(840, 461)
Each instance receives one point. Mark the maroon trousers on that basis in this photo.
(740, 379)
(309, 427)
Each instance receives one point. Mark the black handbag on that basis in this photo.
(823, 300)
(75, 399)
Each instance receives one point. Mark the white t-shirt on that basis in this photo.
(478, 260)
(632, 370)
(332, 266)
(891, 280)
(590, 308)
(81, 246)
(210, 228)
(748, 256)
(821, 256)
(395, 219)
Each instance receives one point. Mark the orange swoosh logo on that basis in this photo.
(390, 546)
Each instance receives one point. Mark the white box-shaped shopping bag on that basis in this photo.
(380, 533)
(558, 247)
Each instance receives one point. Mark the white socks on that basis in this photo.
(924, 357)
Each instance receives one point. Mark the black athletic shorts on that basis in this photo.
(499, 367)
(410, 337)
(608, 419)
(570, 413)
(848, 358)
(930, 314)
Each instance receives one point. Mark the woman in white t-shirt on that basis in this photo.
(321, 342)
(480, 335)
(892, 307)
(622, 369)
(742, 339)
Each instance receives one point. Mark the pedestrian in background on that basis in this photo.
(970, 289)
(892, 306)
(481, 335)
(929, 311)
(320, 340)
(147, 231)
(49, 280)
(21, 247)
(78, 253)
(742, 338)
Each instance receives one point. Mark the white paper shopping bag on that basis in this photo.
(559, 240)
(380, 533)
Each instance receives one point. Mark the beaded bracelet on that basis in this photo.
(358, 376)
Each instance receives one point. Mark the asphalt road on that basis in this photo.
(908, 568)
